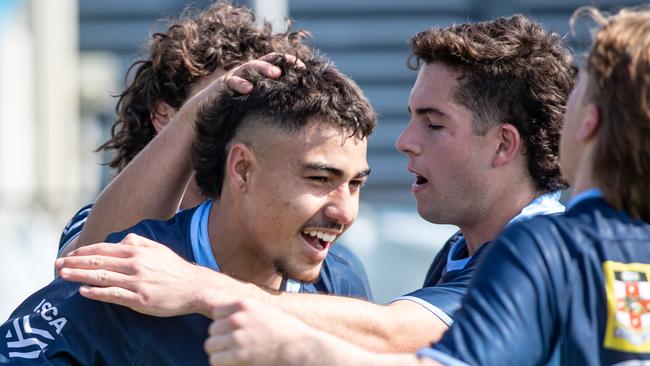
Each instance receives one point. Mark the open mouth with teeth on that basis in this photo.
(318, 239)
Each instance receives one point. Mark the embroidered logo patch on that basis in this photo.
(628, 305)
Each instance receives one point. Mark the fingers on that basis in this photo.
(217, 343)
(114, 295)
(113, 264)
(222, 311)
(235, 79)
(224, 358)
(221, 327)
(97, 277)
(107, 249)
(290, 58)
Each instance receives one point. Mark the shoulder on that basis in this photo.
(343, 274)
(440, 261)
(174, 232)
(57, 323)
(73, 228)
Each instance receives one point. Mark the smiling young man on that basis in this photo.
(486, 111)
(196, 48)
(286, 163)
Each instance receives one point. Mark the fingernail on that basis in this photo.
(65, 271)
(276, 71)
(84, 289)
(246, 86)
(58, 262)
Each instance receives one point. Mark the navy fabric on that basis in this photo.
(57, 326)
(443, 290)
(452, 269)
(73, 227)
(341, 273)
(576, 282)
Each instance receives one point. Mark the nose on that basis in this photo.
(406, 142)
(343, 206)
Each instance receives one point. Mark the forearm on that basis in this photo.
(373, 327)
(328, 350)
(151, 186)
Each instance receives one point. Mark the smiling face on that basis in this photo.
(303, 193)
(449, 160)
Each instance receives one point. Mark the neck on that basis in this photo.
(235, 256)
(192, 196)
(583, 178)
(504, 208)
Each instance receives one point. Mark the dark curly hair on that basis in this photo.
(195, 45)
(512, 72)
(298, 96)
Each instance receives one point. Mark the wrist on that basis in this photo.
(207, 292)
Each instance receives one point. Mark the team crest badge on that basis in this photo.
(628, 305)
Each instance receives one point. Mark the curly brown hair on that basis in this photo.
(618, 66)
(194, 45)
(512, 72)
(317, 91)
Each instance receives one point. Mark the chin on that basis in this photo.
(295, 272)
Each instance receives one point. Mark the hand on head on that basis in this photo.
(235, 79)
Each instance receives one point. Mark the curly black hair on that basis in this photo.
(316, 92)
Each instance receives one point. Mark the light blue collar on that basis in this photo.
(590, 193)
(202, 248)
(545, 204)
(199, 237)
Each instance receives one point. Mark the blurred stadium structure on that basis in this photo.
(61, 60)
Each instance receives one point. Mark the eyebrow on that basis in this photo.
(334, 171)
(428, 110)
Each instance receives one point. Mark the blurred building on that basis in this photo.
(61, 60)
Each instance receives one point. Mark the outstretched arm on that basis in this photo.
(153, 184)
(141, 274)
(253, 333)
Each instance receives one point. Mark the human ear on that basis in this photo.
(239, 165)
(589, 124)
(509, 143)
(161, 115)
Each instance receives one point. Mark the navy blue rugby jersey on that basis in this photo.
(452, 269)
(342, 272)
(576, 284)
(57, 326)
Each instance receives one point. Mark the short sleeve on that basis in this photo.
(73, 228)
(509, 315)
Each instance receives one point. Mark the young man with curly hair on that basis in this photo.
(192, 52)
(482, 143)
(282, 167)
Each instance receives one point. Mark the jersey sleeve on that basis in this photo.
(509, 316)
(73, 228)
(444, 299)
(56, 326)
